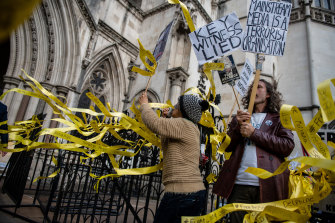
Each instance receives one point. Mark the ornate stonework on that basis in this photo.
(317, 14)
(91, 44)
(87, 15)
(117, 38)
(177, 76)
(98, 79)
(202, 11)
(51, 39)
(323, 16)
(158, 9)
(133, 9)
(89, 50)
(34, 46)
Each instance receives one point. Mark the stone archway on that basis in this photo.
(46, 46)
(105, 77)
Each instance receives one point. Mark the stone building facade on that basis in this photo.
(75, 46)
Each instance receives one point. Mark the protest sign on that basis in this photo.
(230, 73)
(242, 84)
(217, 38)
(267, 26)
(160, 46)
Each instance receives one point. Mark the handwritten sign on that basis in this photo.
(242, 84)
(217, 38)
(267, 26)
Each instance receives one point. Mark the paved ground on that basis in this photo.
(33, 213)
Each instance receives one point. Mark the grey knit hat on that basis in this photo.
(192, 107)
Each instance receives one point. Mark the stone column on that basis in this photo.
(131, 77)
(177, 77)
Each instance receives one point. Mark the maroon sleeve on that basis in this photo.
(279, 142)
(234, 134)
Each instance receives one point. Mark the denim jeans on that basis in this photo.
(175, 205)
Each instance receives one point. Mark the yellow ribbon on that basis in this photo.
(186, 14)
(146, 54)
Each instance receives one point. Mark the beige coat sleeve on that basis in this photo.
(166, 127)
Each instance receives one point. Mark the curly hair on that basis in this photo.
(275, 100)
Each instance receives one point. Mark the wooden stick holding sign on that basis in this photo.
(259, 62)
(230, 75)
(236, 98)
(151, 68)
(231, 112)
(153, 58)
(263, 43)
(146, 88)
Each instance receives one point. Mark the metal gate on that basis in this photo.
(72, 197)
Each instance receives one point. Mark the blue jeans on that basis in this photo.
(175, 205)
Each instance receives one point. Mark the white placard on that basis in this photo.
(267, 26)
(217, 38)
(243, 83)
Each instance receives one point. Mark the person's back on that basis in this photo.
(180, 137)
(181, 158)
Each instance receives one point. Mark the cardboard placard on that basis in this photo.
(267, 26)
(217, 38)
(243, 83)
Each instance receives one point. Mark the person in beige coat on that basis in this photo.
(180, 137)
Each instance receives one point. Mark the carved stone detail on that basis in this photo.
(317, 14)
(323, 16)
(98, 81)
(215, 3)
(89, 50)
(91, 43)
(178, 76)
(51, 40)
(12, 80)
(85, 63)
(158, 9)
(133, 9)
(132, 75)
(62, 90)
(34, 39)
(117, 38)
(328, 18)
(87, 15)
(202, 11)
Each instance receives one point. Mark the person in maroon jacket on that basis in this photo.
(264, 143)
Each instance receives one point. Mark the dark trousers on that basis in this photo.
(175, 205)
(242, 194)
